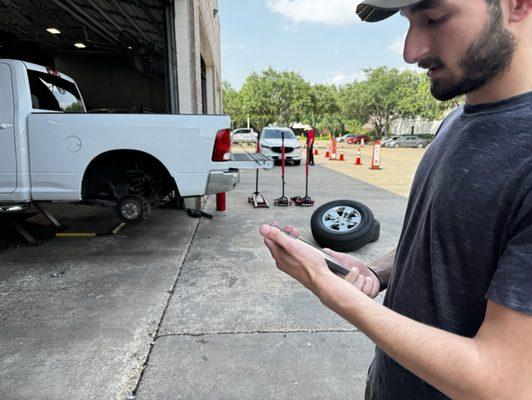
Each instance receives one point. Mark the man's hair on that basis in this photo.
(495, 9)
(494, 4)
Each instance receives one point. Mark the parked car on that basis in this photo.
(51, 149)
(386, 141)
(409, 141)
(344, 138)
(244, 135)
(271, 142)
(358, 139)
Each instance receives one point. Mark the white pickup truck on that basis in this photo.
(51, 149)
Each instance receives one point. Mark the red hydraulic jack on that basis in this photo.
(282, 201)
(304, 201)
(258, 199)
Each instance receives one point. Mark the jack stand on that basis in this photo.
(282, 201)
(257, 199)
(304, 201)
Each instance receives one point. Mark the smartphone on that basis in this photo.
(332, 263)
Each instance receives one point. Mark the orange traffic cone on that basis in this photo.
(358, 159)
(316, 151)
(342, 154)
(327, 153)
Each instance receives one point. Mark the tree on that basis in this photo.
(273, 97)
(232, 101)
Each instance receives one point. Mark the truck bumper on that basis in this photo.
(222, 181)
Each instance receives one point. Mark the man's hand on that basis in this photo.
(360, 276)
(294, 258)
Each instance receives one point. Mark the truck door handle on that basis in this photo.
(5, 126)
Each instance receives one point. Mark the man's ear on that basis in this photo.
(519, 10)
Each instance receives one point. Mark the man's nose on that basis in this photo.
(416, 46)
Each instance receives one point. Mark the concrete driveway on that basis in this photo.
(178, 308)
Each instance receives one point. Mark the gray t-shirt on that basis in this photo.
(467, 234)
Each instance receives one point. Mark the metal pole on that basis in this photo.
(282, 160)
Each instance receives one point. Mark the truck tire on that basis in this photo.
(376, 232)
(343, 225)
(132, 209)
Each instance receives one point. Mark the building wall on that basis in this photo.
(198, 35)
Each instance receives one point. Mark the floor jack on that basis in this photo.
(283, 201)
(258, 199)
(304, 201)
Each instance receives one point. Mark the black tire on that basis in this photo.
(354, 234)
(132, 209)
(297, 162)
(376, 232)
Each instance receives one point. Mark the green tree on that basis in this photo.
(376, 99)
(273, 97)
(232, 102)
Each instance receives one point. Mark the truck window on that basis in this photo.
(52, 93)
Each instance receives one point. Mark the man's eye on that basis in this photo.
(436, 20)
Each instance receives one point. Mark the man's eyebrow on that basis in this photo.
(424, 5)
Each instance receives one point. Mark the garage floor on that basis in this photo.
(78, 316)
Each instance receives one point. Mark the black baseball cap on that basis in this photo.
(377, 10)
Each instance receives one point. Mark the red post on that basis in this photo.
(220, 202)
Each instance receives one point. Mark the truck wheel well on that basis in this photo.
(119, 168)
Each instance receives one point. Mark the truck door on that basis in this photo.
(8, 161)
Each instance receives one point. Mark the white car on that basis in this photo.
(244, 135)
(271, 143)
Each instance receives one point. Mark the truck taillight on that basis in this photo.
(222, 146)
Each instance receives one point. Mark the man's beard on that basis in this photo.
(487, 57)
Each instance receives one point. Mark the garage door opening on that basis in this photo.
(120, 52)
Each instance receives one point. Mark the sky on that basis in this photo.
(323, 40)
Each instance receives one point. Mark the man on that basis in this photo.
(457, 316)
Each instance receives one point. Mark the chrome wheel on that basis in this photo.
(341, 219)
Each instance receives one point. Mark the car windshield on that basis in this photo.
(276, 134)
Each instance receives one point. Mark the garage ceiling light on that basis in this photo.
(54, 31)
(79, 45)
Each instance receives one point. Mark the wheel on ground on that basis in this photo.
(131, 209)
(297, 162)
(396, 146)
(343, 225)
